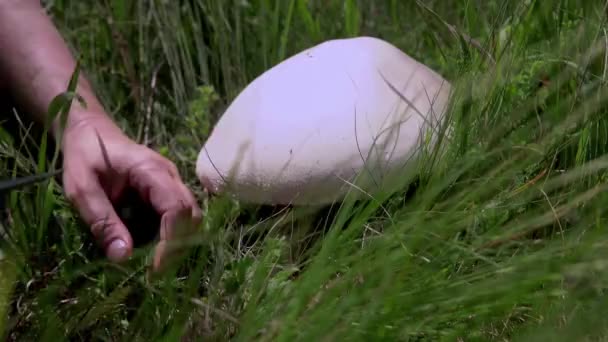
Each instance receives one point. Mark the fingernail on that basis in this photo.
(117, 250)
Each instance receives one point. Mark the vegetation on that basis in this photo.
(502, 238)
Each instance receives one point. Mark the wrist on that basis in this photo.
(86, 122)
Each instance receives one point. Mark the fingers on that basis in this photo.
(163, 189)
(176, 226)
(196, 213)
(97, 211)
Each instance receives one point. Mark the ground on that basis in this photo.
(502, 238)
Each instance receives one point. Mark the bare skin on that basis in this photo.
(35, 67)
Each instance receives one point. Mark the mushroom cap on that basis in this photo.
(344, 114)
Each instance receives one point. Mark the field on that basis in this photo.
(502, 238)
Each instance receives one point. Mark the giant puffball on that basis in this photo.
(345, 115)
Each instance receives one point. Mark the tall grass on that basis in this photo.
(502, 238)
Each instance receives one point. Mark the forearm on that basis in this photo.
(36, 64)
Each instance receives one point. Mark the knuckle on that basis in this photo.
(100, 228)
(180, 205)
(171, 167)
(75, 193)
(160, 163)
(71, 195)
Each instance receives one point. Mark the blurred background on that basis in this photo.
(504, 238)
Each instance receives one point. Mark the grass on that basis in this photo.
(502, 238)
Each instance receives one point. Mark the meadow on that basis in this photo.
(502, 238)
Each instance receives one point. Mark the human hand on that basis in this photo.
(100, 164)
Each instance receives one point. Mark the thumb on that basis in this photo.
(97, 212)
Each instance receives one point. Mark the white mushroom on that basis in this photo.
(305, 130)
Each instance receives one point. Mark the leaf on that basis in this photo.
(104, 308)
(15, 183)
(352, 18)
